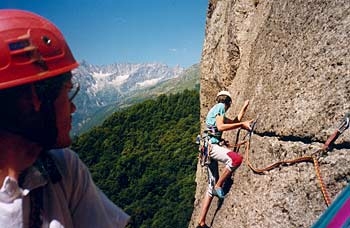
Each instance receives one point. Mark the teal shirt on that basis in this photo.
(218, 109)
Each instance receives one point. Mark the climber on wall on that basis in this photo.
(216, 123)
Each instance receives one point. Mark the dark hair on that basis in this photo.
(224, 99)
(19, 119)
(49, 89)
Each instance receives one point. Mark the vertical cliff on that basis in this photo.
(291, 59)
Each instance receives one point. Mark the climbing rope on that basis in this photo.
(310, 158)
(320, 181)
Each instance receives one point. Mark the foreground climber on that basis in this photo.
(44, 184)
(216, 123)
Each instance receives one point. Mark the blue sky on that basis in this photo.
(119, 31)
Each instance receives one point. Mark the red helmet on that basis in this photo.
(31, 49)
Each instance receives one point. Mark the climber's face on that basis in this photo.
(64, 107)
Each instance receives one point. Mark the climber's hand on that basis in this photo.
(247, 125)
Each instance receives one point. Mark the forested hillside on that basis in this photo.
(144, 159)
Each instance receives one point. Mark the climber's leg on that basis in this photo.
(232, 160)
(204, 210)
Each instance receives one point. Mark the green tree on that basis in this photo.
(144, 158)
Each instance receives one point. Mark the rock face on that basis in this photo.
(291, 59)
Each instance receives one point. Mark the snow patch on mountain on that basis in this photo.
(119, 80)
(149, 82)
(100, 75)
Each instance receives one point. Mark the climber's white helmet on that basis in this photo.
(224, 92)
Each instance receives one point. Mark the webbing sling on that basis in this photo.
(47, 167)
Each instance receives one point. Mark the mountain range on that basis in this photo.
(105, 89)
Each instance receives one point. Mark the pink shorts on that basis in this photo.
(231, 159)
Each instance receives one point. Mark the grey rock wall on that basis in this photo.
(291, 59)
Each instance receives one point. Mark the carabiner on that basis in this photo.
(344, 124)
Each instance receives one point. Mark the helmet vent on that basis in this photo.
(19, 45)
(46, 40)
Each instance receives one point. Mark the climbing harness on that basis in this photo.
(310, 158)
(204, 146)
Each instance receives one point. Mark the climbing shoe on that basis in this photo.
(202, 226)
(219, 193)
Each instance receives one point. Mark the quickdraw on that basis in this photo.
(311, 158)
(204, 148)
